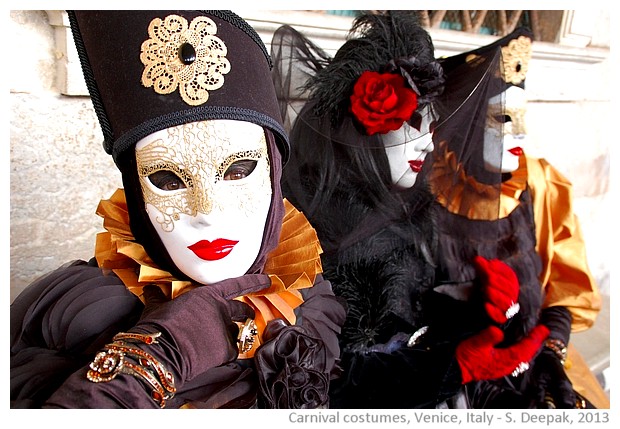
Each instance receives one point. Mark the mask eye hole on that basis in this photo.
(240, 169)
(415, 121)
(167, 180)
(502, 119)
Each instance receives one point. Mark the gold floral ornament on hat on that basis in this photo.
(188, 57)
(515, 59)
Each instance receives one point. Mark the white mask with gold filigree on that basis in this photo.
(505, 131)
(207, 191)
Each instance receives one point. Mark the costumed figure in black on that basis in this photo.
(359, 147)
(206, 289)
(515, 211)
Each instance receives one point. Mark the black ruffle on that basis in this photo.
(293, 371)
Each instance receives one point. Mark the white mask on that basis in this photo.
(505, 127)
(208, 214)
(407, 147)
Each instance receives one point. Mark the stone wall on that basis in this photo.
(59, 171)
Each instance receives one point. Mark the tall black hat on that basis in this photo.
(515, 50)
(147, 71)
(151, 70)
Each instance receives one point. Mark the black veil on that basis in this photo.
(482, 212)
(332, 154)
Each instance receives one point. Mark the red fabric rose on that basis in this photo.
(382, 102)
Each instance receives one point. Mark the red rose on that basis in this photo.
(382, 102)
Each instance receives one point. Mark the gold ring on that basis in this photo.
(247, 336)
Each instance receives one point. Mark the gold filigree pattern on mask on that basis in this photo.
(517, 119)
(200, 157)
(188, 57)
(516, 59)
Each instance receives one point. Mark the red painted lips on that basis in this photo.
(516, 151)
(212, 251)
(416, 165)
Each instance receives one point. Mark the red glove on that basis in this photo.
(479, 359)
(500, 288)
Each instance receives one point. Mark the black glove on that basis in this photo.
(554, 387)
(549, 378)
(198, 329)
(197, 333)
(558, 320)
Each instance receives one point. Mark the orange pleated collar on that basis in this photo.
(464, 195)
(293, 265)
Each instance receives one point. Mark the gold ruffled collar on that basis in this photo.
(464, 195)
(293, 265)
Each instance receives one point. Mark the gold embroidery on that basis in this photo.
(190, 58)
(515, 59)
(200, 155)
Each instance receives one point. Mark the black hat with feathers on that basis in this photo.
(393, 42)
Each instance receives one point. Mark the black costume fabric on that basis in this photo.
(62, 320)
(380, 243)
(467, 229)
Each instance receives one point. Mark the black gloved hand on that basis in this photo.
(551, 381)
(198, 329)
(548, 376)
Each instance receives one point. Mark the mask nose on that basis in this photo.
(426, 143)
(515, 129)
(201, 202)
(202, 220)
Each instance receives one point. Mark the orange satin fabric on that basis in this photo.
(293, 265)
(584, 380)
(566, 276)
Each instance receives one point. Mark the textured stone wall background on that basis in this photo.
(59, 171)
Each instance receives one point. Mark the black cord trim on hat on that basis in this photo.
(130, 138)
(91, 84)
(240, 23)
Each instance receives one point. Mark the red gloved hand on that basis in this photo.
(500, 288)
(479, 359)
